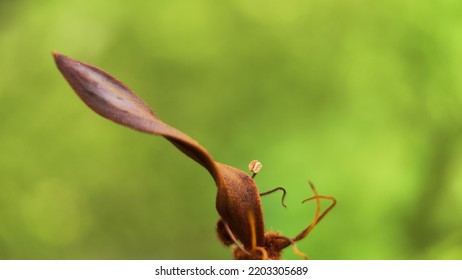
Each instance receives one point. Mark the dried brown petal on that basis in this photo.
(111, 99)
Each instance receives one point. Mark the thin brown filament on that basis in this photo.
(231, 234)
(296, 251)
(318, 217)
(318, 204)
(334, 202)
(253, 232)
(277, 189)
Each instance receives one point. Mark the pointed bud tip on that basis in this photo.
(60, 58)
(55, 54)
(57, 57)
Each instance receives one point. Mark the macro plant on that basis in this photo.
(241, 224)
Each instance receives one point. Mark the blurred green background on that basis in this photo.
(364, 98)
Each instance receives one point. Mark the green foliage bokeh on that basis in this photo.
(364, 98)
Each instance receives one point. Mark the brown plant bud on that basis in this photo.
(238, 200)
